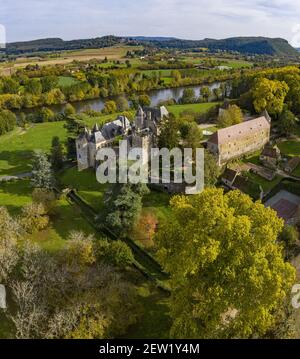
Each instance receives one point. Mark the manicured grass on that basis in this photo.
(196, 107)
(66, 81)
(290, 148)
(86, 184)
(158, 203)
(67, 218)
(17, 147)
(266, 185)
(155, 322)
(15, 194)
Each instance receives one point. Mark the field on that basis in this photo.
(67, 57)
(65, 81)
(195, 107)
(290, 148)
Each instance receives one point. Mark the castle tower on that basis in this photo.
(139, 120)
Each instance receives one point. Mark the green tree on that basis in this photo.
(231, 116)
(144, 100)
(110, 107)
(211, 169)
(287, 122)
(205, 93)
(122, 104)
(69, 110)
(269, 95)
(125, 206)
(169, 135)
(228, 274)
(42, 176)
(34, 87)
(49, 83)
(188, 96)
(57, 159)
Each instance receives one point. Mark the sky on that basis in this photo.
(187, 19)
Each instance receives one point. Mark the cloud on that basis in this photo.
(193, 19)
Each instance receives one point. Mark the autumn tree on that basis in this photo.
(269, 95)
(9, 231)
(231, 116)
(228, 274)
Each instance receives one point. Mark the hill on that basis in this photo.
(244, 45)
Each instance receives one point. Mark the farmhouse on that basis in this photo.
(241, 139)
(142, 133)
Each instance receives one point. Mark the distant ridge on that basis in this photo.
(243, 45)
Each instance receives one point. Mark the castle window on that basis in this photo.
(78, 146)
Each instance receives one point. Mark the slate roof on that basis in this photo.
(229, 174)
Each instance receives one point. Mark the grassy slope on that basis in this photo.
(196, 107)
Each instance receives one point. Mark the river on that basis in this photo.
(156, 97)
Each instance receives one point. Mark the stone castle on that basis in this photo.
(142, 133)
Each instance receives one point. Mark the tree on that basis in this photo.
(211, 169)
(269, 95)
(79, 250)
(49, 83)
(144, 100)
(228, 275)
(188, 96)
(205, 93)
(289, 237)
(122, 104)
(34, 217)
(45, 115)
(42, 176)
(110, 107)
(169, 133)
(34, 87)
(69, 110)
(176, 75)
(287, 122)
(125, 206)
(231, 116)
(218, 93)
(46, 197)
(57, 159)
(9, 231)
(193, 136)
(119, 254)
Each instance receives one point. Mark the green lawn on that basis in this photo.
(17, 147)
(266, 185)
(86, 184)
(196, 107)
(14, 195)
(157, 203)
(290, 148)
(66, 81)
